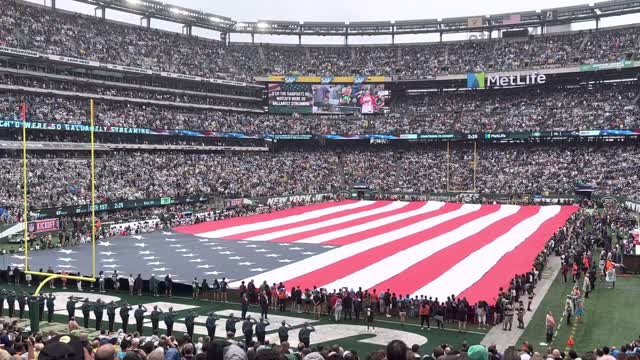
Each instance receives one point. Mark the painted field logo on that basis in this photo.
(475, 80)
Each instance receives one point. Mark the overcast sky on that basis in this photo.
(337, 10)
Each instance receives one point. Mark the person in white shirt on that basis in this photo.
(131, 282)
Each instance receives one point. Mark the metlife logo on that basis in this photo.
(482, 80)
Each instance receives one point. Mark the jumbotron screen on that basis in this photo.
(327, 98)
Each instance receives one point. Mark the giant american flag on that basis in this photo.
(420, 248)
(429, 248)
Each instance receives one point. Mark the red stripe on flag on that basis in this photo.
(335, 215)
(348, 239)
(244, 220)
(359, 261)
(518, 261)
(429, 269)
(306, 234)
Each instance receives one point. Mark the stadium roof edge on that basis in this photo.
(471, 23)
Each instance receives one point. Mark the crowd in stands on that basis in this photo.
(598, 106)
(507, 169)
(39, 29)
(159, 94)
(138, 175)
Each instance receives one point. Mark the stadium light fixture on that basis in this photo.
(134, 2)
(262, 25)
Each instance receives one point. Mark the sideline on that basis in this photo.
(503, 339)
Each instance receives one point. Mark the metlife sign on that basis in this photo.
(483, 80)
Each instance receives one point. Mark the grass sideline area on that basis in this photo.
(434, 337)
(610, 319)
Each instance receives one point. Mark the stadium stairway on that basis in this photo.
(340, 169)
(396, 181)
(584, 42)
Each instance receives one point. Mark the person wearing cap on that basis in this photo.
(98, 310)
(283, 332)
(304, 336)
(41, 300)
(261, 330)
(22, 302)
(124, 315)
(370, 320)
(139, 316)
(189, 321)
(508, 313)
(230, 325)
(63, 347)
(11, 302)
(71, 307)
(111, 314)
(155, 318)
(247, 330)
(478, 352)
(210, 324)
(168, 320)
(51, 304)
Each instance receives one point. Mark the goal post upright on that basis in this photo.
(33, 302)
(25, 211)
(93, 193)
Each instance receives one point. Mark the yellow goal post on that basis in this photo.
(48, 276)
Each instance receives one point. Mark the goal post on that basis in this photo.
(33, 304)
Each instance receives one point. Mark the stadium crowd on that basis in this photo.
(584, 232)
(31, 27)
(598, 106)
(133, 93)
(55, 180)
(135, 346)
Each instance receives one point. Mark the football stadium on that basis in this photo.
(382, 181)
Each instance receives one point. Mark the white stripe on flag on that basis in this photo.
(315, 262)
(394, 264)
(295, 230)
(216, 234)
(467, 272)
(428, 207)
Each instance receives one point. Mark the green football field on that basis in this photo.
(434, 337)
(611, 316)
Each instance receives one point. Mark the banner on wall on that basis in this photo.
(326, 79)
(44, 225)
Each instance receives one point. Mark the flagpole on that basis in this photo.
(93, 195)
